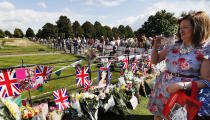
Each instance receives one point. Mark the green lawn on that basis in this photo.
(65, 82)
(20, 46)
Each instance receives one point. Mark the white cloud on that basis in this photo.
(176, 7)
(102, 17)
(11, 17)
(107, 3)
(42, 4)
(111, 3)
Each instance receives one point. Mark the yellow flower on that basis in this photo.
(123, 87)
(80, 96)
(140, 73)
(147, 80)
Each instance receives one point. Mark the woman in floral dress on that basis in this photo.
(186, 61)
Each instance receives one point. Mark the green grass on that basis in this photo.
(65, 82)
(12, 46)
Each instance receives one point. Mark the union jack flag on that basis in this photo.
(106, 67)
(8, 83)
(82, 75)
(121, 72)
(87, 87)
(134, 65)
(125, 63)
(43, 73)
(61, 99)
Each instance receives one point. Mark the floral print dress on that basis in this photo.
(186, 64)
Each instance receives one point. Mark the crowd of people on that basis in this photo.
(187, 60)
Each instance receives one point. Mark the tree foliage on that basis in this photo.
(7, 33)
(109, 33)
(18, 33)
(39, 33)
(64, 27)
(89, 30)
(128, 32)
(77, 29)
(30, 33)
(161, 23)
(122, 31)
(115, 32)
(2, 34)
(49, 30)
(100, 31)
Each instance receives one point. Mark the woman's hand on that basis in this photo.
(172, 88)
(157, 41)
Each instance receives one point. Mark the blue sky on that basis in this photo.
(35, 13)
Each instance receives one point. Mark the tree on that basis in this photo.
(18, 33)
(77, 30)
(2, 34)
(89, 30)
(49, 30)
(30, 33)
(100, 31)
(115, 32)
(128, 32)
(161, 23)
(7, 33)
(109, 33)
(121, 30)
(39, 34)
(64, 27)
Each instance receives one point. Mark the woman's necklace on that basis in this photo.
(184, 50)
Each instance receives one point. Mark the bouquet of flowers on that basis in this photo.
(119, 100)
(75, 104)
(90, 104)
(106, 98)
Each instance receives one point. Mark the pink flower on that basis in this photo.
(185, 66)
(175, 63)
(168, 76)
(153, 108)
(158, 85)
(152, 93)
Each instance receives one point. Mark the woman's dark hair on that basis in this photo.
(200, 22)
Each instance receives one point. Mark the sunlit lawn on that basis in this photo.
(69, 82)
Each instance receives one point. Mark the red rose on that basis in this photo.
(175, 51)
(175, 63)
(181, 60)
(200, 57)
(185, 66)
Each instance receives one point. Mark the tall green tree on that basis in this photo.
(30, 33)
(7, 33)
(89, 30)
(115, 32)
(49, 30)
(2, 34)
(64, 27)
(161, 23)
(109, 33)
(18, 33)
(122, 31)
(77, 29)
(39, 34)
(128, 32)
(100, 31)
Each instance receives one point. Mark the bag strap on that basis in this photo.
(194, 90)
